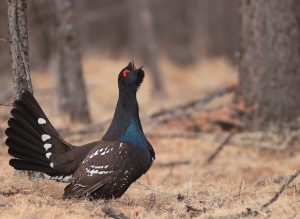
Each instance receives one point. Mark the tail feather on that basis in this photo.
(32, 139)
(26, 150)
(23, 126)
(22, 156)
(24, 117)
(16, 130)
(28, 165)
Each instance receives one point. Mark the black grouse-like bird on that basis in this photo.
(102, 169)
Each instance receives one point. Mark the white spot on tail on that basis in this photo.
(41, 121)
(48, 154)
(47, 146)
(51, 165)
(45, 137)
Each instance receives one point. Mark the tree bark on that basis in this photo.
(17, 22)
(143, 41)
(72, 92)
(269, 72)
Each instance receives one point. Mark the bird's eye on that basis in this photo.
(125, 72)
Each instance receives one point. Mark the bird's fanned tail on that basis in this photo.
(32, 140)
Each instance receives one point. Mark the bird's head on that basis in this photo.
(131, 78)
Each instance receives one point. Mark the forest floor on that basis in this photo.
(238, 178)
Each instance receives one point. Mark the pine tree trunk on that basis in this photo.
(270, 63)
(143, 40)
(72, 92)
(17, 22)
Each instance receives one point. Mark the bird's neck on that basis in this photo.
(126, 125)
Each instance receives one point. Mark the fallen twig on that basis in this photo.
(172, 163)
(180, 110)
(4, 40)
(178, 134)
(5, 104)
(281, 190)
(11, 193)
(253, 212)
(151, 203)
(221, 146)
(111, 212)
(191, 208)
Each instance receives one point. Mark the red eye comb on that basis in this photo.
(125, 72)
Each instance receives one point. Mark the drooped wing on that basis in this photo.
(107, 171)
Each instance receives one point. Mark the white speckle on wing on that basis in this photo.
(45, 137)
(91, 172)
(99, 167)
(47, 146)
(41, 121)
(51, 165)
(96, 153)
(121, 144)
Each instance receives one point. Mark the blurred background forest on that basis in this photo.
(184, 32)
(218, 73)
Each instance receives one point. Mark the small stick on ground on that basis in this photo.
(151, 203)
(195, 103)
(191, 208)
(221, 146)
(253, 212)
(281, 190)
(5, 104)
(111, 212)
(172, 163)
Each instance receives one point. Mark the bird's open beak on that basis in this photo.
(131, 64)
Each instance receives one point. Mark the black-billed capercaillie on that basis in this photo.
(102, 169)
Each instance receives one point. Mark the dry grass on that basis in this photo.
(239, 177)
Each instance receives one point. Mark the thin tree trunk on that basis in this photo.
(143, 41)
(17, 22)
(72, 92)
(270, 63)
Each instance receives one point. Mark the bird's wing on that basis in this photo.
(109, 169)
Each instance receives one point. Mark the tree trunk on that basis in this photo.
(270, 63)
(17, 22)
(72, 92)
(143, 41)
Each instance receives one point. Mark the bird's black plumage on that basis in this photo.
(101, 169)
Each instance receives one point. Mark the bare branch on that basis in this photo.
(221, 146)
(5, 104)
(253, 212)
(281, 190)
(4, 40)
(172, 163)
(180, 110)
